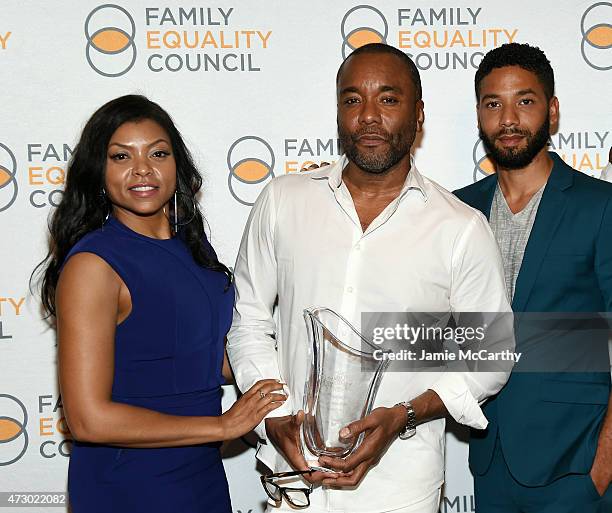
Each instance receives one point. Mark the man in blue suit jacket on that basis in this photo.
(548, 446)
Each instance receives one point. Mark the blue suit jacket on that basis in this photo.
(549, 423)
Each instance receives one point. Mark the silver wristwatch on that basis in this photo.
(409, 429)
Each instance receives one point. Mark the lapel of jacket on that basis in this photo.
(485, 199)
(549, 215)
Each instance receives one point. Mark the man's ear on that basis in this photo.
(553, 111)
(420, 115)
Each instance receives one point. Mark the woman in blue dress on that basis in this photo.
(142, 307)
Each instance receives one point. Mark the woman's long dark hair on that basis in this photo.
(84, 207)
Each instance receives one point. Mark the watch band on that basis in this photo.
(409, 429)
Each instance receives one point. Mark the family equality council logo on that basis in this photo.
(8, 181)
(361, 25)
(13, 434)
(483, 165)
(110, 31)
(596, 29)
(250, 160)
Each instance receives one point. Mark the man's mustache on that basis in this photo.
(512, 131)
(371, 131)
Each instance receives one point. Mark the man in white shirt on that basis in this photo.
(367, 234)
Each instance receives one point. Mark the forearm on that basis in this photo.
(120, 424)
(428, 406)
(253, 356)
(251, 349)
(458, 398)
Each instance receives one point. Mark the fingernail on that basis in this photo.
(345, 432)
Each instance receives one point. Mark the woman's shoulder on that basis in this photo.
(91, 240)
(101, 242)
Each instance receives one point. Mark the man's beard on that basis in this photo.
(374, 161)
(514, 158)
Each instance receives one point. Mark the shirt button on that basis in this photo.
(349, 290)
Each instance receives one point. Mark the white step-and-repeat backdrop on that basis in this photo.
(251, 86)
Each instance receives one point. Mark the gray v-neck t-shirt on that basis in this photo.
(512, 233)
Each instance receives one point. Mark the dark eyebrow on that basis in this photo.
(349, 89)
(392, 89)
(129, 146)
(524, 92)
(382, 89)
(489, 97)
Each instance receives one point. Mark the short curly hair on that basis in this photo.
(530, 58)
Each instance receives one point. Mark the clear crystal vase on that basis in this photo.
(341, 384)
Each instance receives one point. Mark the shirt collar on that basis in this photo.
(333, 175)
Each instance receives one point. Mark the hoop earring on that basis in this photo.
(106, 204)
(176, 223)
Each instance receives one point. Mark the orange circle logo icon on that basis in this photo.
(483, 165)
(13, 434)
(110, 32)
(361, 25)
(596, 29)
(8, 182)
(250, 161)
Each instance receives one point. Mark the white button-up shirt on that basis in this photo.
(427, 251)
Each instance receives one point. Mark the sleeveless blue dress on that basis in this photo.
(168, 358)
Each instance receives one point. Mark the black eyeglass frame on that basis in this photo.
(284, 489)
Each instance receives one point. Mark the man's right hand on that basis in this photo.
(284, 433)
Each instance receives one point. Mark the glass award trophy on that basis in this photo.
(341, 384)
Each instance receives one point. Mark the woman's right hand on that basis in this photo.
(251, 408)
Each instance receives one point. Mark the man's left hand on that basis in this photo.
(601, 475)
(381, 428)
(601, 470)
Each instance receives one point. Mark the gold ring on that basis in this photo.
(261, 394)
